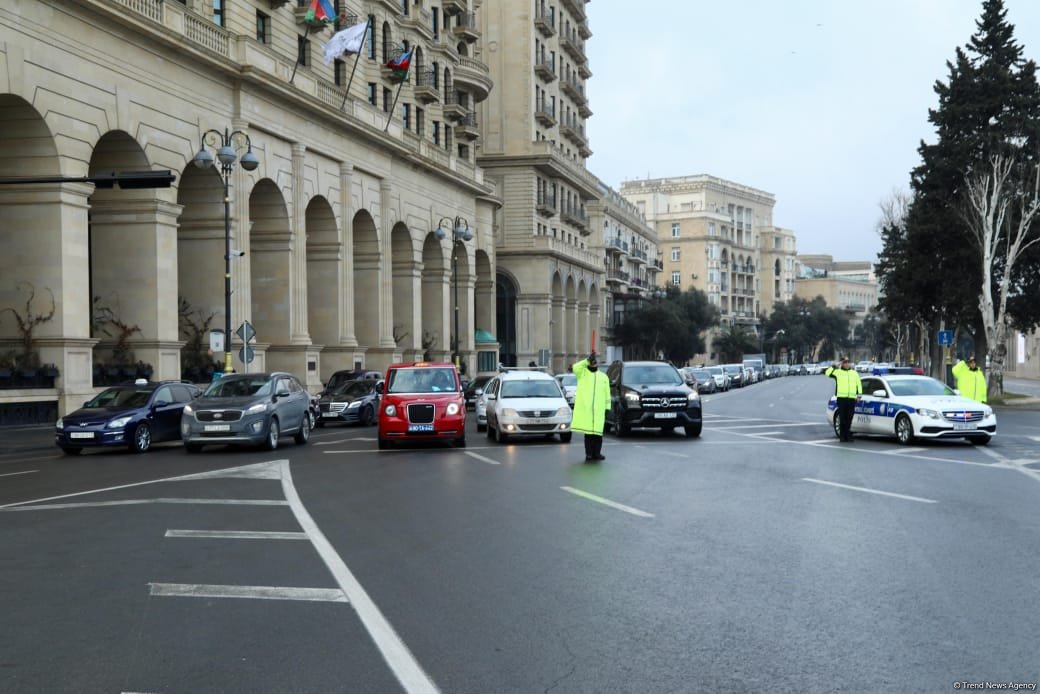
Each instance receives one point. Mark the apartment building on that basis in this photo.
(549, 266)
(779, 248)
(630, 257)
(346, 232)
(849, 286)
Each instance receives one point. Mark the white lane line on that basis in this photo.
(396, 654)
(489, 461)
(607, 502)
(237, 534)
(1035, 438)
(199, 590)
(766, 426)
(766, 433)
(871, 491)
(903, 451)
(14, 458)
(24, 472)
(145, 502)
(369, 450)
(329, 443)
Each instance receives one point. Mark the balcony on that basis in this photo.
(427, 86)
(544, 117)
(575, 216)
(659, 264)
(473, 76)
(583, 69)
(453, 7)
(584, 31)
(454, 108)
(583, 110)
(574, 47)
(574, 89)
(543, 22)
(575, 132)
(577, 8)
(466, 127)
(617, 277)
(419, 19)
(544, 69)
(546, 205)
(637, 257)
(466, 27)
(613, 247)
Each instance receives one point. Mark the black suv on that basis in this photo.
(651, 394)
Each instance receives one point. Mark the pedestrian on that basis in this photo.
(847, 389)
(971, 382)
(591, 402)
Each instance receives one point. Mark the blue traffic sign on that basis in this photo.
(945, 338)
(246, 355)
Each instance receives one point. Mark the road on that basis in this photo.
(763, 556)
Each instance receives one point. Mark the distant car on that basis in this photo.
(722, 380)
(338, 378)
(474, 389)
(651, 394)
(737, 375)
(526, 403)
(422, 401)
(253, 409)
(135, 416)
(864, 367)
(917, 407)
(705, 382)
(353, 402)
(569, 384)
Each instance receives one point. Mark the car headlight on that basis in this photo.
(119, 422)
(354, 405)
(60, 424)
(453, 408)
(509, 412)
(693, 396)
(928, 413)
(188, 409)
(563, 411)
(631, 397)
(390, 411)
(257, 408)
(986, 411)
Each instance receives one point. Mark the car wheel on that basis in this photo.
(566, 437)
(623, 429)
(836, 425)
(141, 440)
(460, 442)
(304, 434)
(272, 435)
(693, 430)
(368, 415)
(481, 428)
(904, 430)
(193, 447)
(980, 440)
(501, 436)
(490, 431)
(71, 450)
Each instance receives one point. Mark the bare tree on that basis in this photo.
(894, 209)
(1000, 217)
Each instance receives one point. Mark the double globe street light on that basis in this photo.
(460, 232)
(227, 154)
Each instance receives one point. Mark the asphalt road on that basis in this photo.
(763, 556)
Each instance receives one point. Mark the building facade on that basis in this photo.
(849, 286)
(779, 248)
(344, 255)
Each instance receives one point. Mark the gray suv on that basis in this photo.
(248, 409)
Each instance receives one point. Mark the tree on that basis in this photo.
(669, 326)
(810, 328)
(734, 342)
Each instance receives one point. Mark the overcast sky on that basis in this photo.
(820, 102)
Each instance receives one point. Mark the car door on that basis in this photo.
(166, 414)
(300, 399)
(490, 399)
(870, 410)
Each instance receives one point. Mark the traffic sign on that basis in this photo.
(945, 338)
(246, 355)
(245, 331)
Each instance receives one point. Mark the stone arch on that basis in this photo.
(483, 292)
(506, 291)
(435, 301)
(404, 274)
(270, 266)
(388, 38)
(462, 298)
(324, 261)
(367, 260)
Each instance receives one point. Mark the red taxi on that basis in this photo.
(422, 401)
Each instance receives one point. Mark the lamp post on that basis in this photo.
(224, 143)
(460, 231)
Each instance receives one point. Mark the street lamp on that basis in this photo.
(460, 232)
(227, 155)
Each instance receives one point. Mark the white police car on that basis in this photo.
(523, 402)
(909, 407)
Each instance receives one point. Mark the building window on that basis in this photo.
(675, 230)
(420, 122)
(711, 229)
(387, 99)
(406, 116)
(373, 94)
(218, 12)
(370, 38)
(338, 72)
(675, 254)
(436, 132)
(435, 22)
(303, 49)
(263, 27)
(675, 278)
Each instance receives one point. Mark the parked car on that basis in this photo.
(254, 409)
(722, 380)
(569, 385)
(737, 375)
(352, 402)
(422, 401)
(338, 378)
(526, 403)
(651, 394)
(474, 389)
(135, 416)
(703, 380)
(911, 407)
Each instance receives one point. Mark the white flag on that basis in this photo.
(349, 40)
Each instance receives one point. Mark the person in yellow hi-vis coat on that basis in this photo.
(971, 382)
(591, 402)
(847, 389)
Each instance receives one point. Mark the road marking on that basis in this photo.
(24, 472)
(766, 426)
(872, 491)
(903, 451)
(1035, 438)
(14, 459)
(145, 502)
(766, 433)
(490, 461)
(329, 443)
(607, 502)
(369, 450)
(236, 534)
(197, 590)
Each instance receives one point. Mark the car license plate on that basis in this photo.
(81, 435)
(413, 428)
(217, 427)
(964, 426)
(330, 414)
(665, 415)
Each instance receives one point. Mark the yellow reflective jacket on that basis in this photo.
(846, 382)
(971, 384)
(591, 399)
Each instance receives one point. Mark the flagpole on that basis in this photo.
(357, 59)
(391, 116)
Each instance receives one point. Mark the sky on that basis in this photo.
(822, 103)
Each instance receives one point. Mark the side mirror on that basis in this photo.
(879, 394)
(160, 403)
(492, 396)
(282, 393)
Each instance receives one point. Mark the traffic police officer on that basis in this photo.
(847, 389)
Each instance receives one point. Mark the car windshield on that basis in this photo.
(421, 380)
(121, 397)
(239, 387)
(567, 379)
(651, 374)
(354, 389)
(530, 389)
(918, 386)
(715, 370)
(732, 369)
(701, 374)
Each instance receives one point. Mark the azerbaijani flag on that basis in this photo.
(400, 64)
(321, 11)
